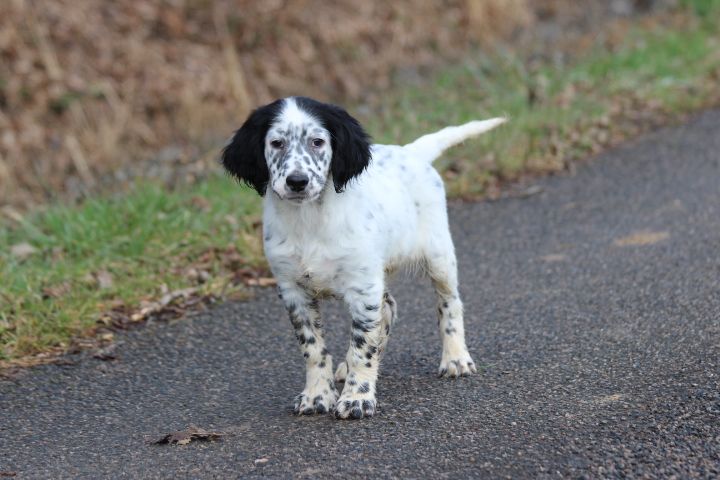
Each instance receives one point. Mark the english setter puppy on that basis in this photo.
(339, 216)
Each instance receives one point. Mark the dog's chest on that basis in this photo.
(316, 262)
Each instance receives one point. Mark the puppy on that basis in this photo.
(339, 216)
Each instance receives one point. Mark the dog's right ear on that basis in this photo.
(244, 156)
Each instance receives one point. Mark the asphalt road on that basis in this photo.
(593, 310)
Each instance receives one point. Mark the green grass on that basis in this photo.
(674, 71)
(149, 237)
(143, 240)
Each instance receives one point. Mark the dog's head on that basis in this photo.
(296, 145)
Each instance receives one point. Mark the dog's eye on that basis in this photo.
(318, 142)
(277, 144)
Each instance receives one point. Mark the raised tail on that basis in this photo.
(432, 145)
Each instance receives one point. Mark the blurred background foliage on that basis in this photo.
(92, 90)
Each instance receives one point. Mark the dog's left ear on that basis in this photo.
(350, 143)
(244, 156)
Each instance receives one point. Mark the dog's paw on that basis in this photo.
(355, 406)
(309, 402)
(341, 372)
(457, 366)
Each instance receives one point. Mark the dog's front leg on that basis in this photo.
(363, 358)
(319, 395)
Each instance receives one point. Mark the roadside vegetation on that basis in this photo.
(73, 272)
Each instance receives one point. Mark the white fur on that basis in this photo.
(344, 244)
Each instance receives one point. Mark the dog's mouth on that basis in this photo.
(297, 198)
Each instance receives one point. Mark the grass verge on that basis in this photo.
(74, 271)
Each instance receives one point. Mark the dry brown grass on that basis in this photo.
(90, 85)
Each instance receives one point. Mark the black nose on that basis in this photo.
(297, 181)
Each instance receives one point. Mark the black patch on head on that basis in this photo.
(244, 157)
(350, 144)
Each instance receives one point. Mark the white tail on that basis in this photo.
(432, 145)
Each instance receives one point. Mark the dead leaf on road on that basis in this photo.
(151, 308)
(183, 437)
(553, 257)
(643, 237)
(107, 353)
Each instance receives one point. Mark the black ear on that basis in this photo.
(350, 144)
(244, 157)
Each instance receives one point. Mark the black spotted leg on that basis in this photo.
(372, 315)
(319, 394)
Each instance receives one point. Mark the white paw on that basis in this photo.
(315, 401)
(355, 405)
(341, 372)
(454, 366)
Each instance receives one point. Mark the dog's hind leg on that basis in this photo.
(442, 268)
(389, 315)
(319, 394)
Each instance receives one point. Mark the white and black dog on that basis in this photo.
(339, 216)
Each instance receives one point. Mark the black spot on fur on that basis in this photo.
(363, 326)
(358, 340)
(364, 388)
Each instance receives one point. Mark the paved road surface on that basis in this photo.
(600, 349)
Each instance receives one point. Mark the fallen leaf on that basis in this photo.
(261, 461)
(22, 250)
(606, 399)
(107, 353)
(104, 279)
(56, 291)
(553, 257)
(106, 337)
(200, 203)
(261, 282)
(643, 237)
(183, 437)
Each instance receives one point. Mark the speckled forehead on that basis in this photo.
(294, 121)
